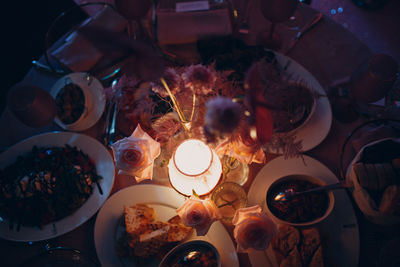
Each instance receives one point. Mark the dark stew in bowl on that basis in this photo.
(302, 208)
(193, 254)
(70, 103)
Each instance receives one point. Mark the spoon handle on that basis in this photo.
(338, 185)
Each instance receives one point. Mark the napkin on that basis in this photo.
(76, 52)
(188, 27)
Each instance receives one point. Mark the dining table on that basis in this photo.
(327, 50)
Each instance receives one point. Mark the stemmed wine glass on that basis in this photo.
(275, 11)
(134, 11)
(368, 84)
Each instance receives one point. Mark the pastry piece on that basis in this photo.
(137, 217)
(310, 243)
(287, 239)
(297, 248)
(292, 259)
(390, 203)
(317, 260)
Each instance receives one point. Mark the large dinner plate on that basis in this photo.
(339, 231)
(317, 127)
(94, 103)
(104, 167)
(165, 201)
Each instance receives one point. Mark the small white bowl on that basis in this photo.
(185, 248)
(294, 178)
(94, 100)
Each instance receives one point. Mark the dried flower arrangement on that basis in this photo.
(237, 119)
(240, 126)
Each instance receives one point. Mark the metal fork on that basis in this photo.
(111, 117)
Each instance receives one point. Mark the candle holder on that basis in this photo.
(194, 166)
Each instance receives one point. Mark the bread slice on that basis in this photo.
(178, 231)
(159, 234)
(152, 243)
(137, 217)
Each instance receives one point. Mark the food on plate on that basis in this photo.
(70, 102)
(295, 106)
(297, 247)
(195, 253)
(302, 208)
(290, 102)
(46, 185)
(390, 203)
(378, 174)
(144, 236)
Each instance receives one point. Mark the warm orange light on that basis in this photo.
(194, 166)
(192, 157)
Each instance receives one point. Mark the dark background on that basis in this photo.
(24, 25)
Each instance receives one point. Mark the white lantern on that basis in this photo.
(194, 166)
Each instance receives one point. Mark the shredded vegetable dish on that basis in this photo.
(46, 185)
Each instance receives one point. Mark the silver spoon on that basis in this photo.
(290, 193)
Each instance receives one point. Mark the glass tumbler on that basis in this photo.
(371, 82)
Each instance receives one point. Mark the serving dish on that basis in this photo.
(104, 167)
(191, 253)
(94, 100)
(165, 201)
(316, 127)
(314, 207)
(339, 231)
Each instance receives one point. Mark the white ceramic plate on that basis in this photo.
(104, 167)
(94, 99)
(317, 127)
(165, 201)
(339, 232)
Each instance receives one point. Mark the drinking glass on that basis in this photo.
(134, 11)
(275, 11)
(234, 170)
(368, 84)
(32, 105)
(372, 81)
(229, 197)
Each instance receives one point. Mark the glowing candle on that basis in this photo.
(194, 166)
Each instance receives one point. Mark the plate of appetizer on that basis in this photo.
(335, 235)
(52, 183)
(150, 209)
(309, 118)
